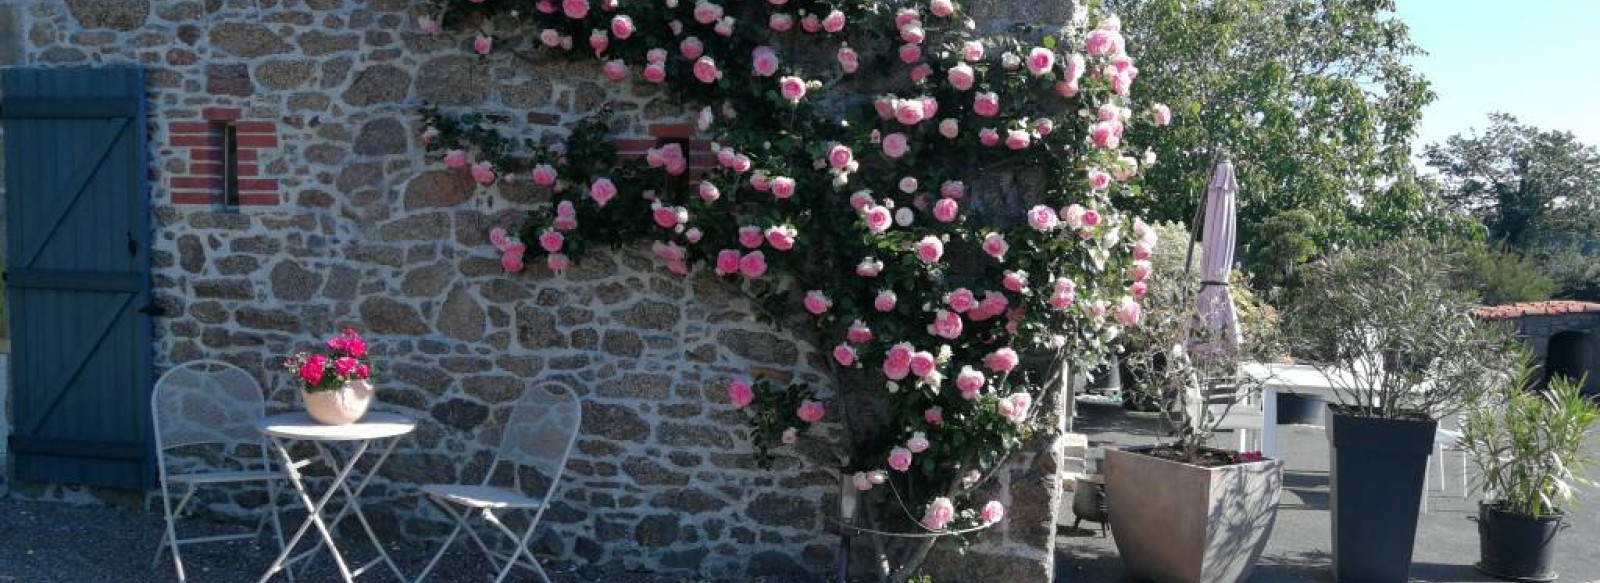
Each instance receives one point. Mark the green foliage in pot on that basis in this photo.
(1396, 339)
(1528, 445)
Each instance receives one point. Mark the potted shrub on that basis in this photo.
(1401, 349)
(1527, 446)
(1188, 512)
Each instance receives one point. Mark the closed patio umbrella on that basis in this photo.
(1215, 329)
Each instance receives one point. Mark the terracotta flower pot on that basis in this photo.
(1181, 523)
(341, 406)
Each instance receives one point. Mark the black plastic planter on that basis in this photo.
(1516, 546)
(1300, 409)
(1377, 470)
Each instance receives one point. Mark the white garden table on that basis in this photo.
(373, 428)
(1294, 378)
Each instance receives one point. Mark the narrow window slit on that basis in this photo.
(230, 164)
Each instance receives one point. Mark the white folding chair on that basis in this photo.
(534, 446)
(1231, 408)
(208, 407)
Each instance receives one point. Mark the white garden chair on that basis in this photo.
(538, 437)
(209, 407)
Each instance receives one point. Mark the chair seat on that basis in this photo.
(481, 496)
(223, 477)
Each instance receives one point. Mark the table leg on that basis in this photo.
(1269, 421)
(313, 511)
(353, 496)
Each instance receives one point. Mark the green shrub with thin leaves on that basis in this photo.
(1528, 445)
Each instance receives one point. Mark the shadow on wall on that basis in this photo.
(1574, 355)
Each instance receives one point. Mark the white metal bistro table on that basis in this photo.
(1295, 378)
(372, 428)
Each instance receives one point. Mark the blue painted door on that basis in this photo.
(78, 275)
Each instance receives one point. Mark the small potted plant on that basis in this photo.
(1400, 349)
(336, 388)
(1528, 448)
(1189, 512)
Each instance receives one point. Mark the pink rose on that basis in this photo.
(918, 442)
(708, 192)
(705, 70)
(455, 158)
(1162, 114)
(750, 236)
(869, 267)
(817, 303)
(760, 182)
(908, 111)
(728, 262)
(861, 481)
(913, 33)
(859, 333)
(1001, 360)
(1072, 69)
(615, 70)
(1103, 43)
(1122, 85)
(1141, 251)
(1067, 88)
(1072, 215)
(706, 12)
(986, 104)
(781, 238)
(940, 512)
(665, 217)
(946, 210)
(782, 187)
(557, 262)
(900, 459)
(906, 16)
(792, 88)
(988, 137)
(551, 241)
(941, 8)
(1042, 218)
(878, 219)
(550, 37)
(1097, 309)
(1091, 217)
(429, 135)
(849, 61)
(949, 128)
(992, 512)
(1106, 134)
(1099, 179)
(621, 26)
(908, 185)
(1015, 407)
(511, 260)
(861, 200)
(780, 22)
(1043, 127)
(885, 301)
(655, 72)
(969, 381)
(995, 245)
(659, 55)
(764, 61)
(1140, 271)
(483, 173)
(602, 191)
(809, 411)
(1040, 61)
(482, 44)
(599, 41)
(575, 9)
(930, 106)
(693, 235)
(930, 249)
(430, 26)
(1139, 289)
(934, 415)
(753, 265)
(946, 325)
(498, 238)
(565, 209)
(790, 436)
(565, 223)
(544, 175)
(953, 189)
(960, 300)
(1062, 301)
(724, 27)
(691, 48)
(844, 355)
(833, 22)
(740, 394)
(811, 23)
(972, 51)
(895, 145)
(1014, 281)
(1017, 139)
(839, 156)
(960, 77)
(910, 53)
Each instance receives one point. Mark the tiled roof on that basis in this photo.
(1545, 308)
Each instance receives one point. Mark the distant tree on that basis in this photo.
(1284, 242)
(1516, 178)
(1313, 99)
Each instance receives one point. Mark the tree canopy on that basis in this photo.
(1313, 99)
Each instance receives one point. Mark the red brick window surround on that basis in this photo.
(203, 181)
(701, 158)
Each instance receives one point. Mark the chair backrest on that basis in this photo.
(538, 437)
(206, 402)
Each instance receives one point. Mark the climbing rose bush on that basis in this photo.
(862, 161)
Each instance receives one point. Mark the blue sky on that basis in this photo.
(1536, 59)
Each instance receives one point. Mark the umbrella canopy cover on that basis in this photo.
(1215, 328)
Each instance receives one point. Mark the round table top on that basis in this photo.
(374, 425)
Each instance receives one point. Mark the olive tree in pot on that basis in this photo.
(1528, 448)
(1188, 512)
(1400, 349)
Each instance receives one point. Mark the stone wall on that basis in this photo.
(343, 220)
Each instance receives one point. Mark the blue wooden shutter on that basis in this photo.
(78, 275)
